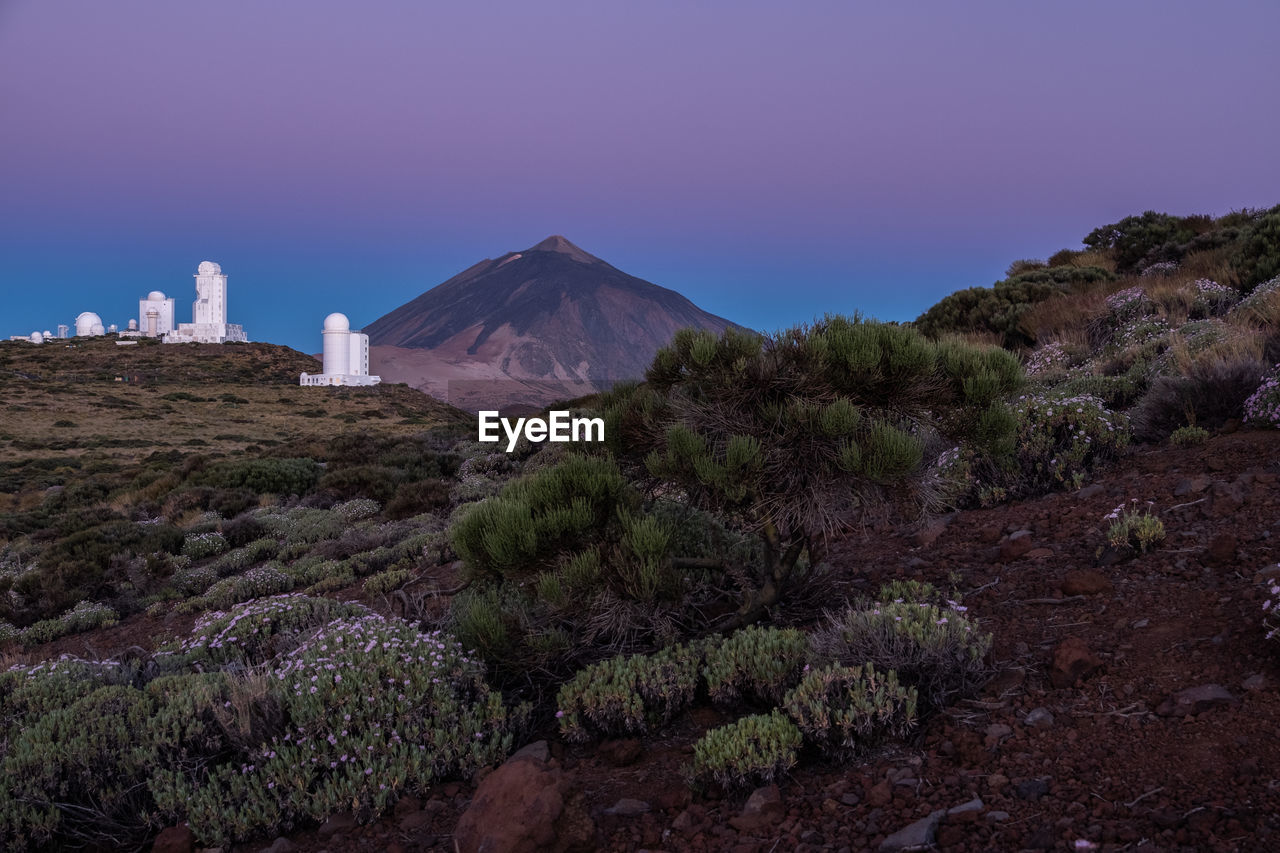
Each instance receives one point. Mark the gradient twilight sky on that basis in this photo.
(772, 161)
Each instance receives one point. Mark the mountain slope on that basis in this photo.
(549, 322)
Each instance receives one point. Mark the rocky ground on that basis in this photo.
(1134, 704)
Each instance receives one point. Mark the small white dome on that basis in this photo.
(37, 338)
(208, 268)
(336, 322)
(155, 296)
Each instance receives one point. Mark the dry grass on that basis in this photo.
(1065, 317)
(1241, 345)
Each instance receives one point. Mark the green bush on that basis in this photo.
(1139, 241)
(200, 546)
(1134, 528)
(842, 710)
(999, 309)
(386, 582)
(626, 695)
(78, 773)
(756, 664)
(263, 476)
(935, 650)
(85, 616)
(1257, 257)
(258, 582)
(754, 751)
(1061, 440)
(1188, 436)
(538, 516)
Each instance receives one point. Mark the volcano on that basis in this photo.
(551, 322)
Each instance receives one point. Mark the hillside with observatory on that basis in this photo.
(1003, 578)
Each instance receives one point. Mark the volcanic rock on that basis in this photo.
(524, 806)
(1072, 661)
(1196, 700)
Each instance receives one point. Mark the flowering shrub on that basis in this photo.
(261, 580)
(756, 663)
(194, 580)
(198, 546)
(841, 710)
(374, 709)
(1271, 610)
(754, 751)
(8, 633)
(1188, 435)
(932, 648)
(628, 694)
(1263, 406)
(241, 558)
(1160, 268)
(1061, 439)
(85, 616)
(1129, 304)
(253, 632)
(1258, 299)
(1050, 358)
(1213, 299)
(357, 509)
(1133, 528)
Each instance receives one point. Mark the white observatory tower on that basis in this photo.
(346, 356)
(208, 314)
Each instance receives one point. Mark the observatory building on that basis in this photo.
(346, 356)
(89, 324)
(208, 314)
(155, 315)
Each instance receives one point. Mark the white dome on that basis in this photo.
(336, 322)
(208, 268)
(37, 338)
(155, 296)
(87, 322)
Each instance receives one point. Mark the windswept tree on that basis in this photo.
(804, 433)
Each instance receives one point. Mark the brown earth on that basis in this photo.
(1104, 762)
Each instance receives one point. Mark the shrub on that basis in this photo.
(628, 694)
(386, 582)
(257, 582)
(374, 709)
(933, 649)
(1263, 406)
(538, 516)
(1271, 618)
(1132, 528)
(254, 632)
(999, 309)
(754, 751)
(1211, 392)
(78, 773)
(199, 546)
(85, 616)
(1188, 436)
(755, 663)
(1140, 241)
(194, 580)
(801, 434)
(263, 476)
(842, 710)
(1060, 440)
(1258, 255)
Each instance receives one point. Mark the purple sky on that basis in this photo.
(770, 161)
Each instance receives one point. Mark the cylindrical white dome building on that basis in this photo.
(337, 349)
(89, 323)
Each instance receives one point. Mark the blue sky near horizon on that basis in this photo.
(770, 162)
